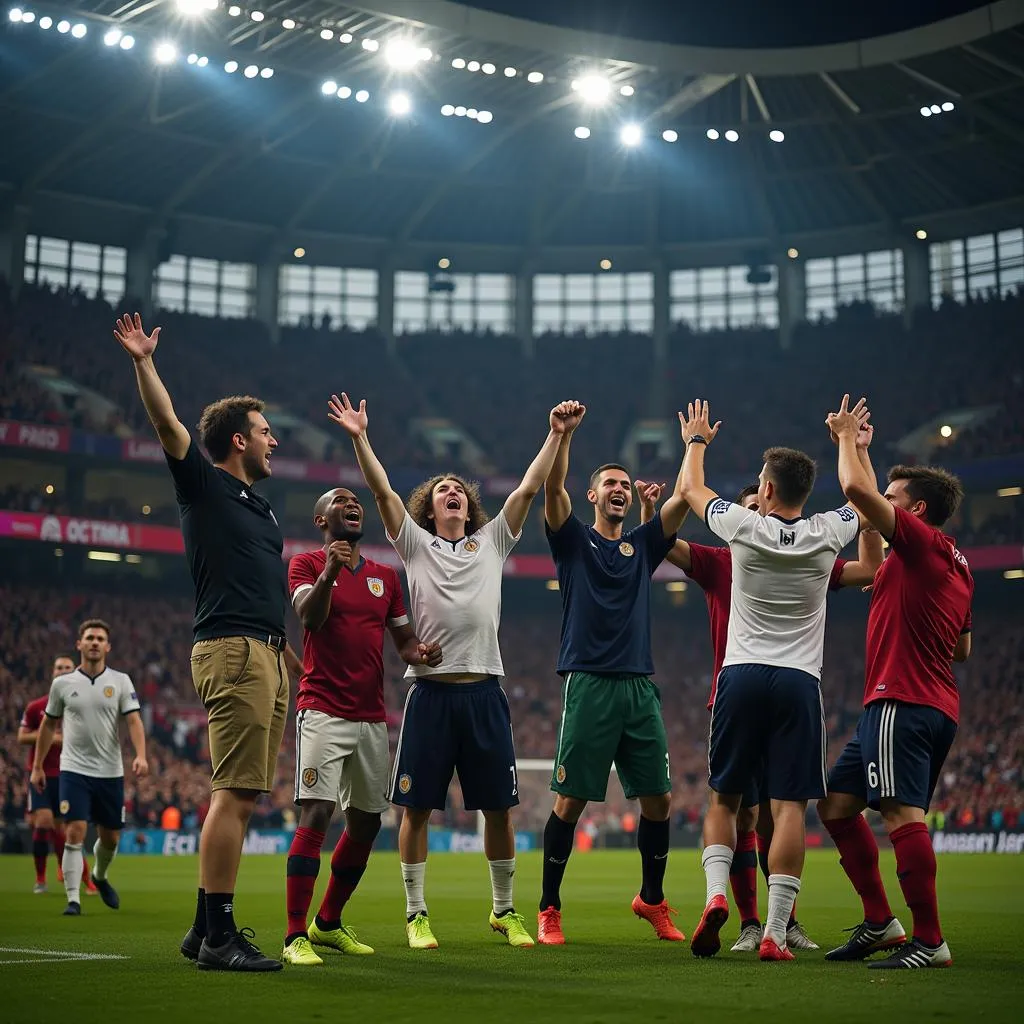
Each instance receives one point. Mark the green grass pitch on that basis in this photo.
(612, 970)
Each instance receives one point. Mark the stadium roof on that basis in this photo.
(106, 143)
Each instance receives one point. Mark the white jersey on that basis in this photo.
(92, 710)
(455, 594)
(780, 575)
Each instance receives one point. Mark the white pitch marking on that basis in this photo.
(57, 955)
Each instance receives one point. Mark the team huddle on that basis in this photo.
(766, 594)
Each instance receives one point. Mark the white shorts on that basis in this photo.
(341, 761)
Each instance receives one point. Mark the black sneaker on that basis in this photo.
(914, 954)
(73, 910)
(869, 938)
(108, 894)
(191, 944)
(237, 954)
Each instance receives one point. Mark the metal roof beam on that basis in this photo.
(693, 94)
(996, 62)
(925, 80)
(840, 93)
(755, 91)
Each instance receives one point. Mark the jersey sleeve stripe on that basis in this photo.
(402, 620)
(299, 591)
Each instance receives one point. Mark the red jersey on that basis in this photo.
(32, 719)
(920, 606)
(343, 661)
(711, 569)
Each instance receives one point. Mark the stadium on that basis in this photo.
(465, 213)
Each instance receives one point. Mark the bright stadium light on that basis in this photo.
(234, 10)
(344, 93)
(946, 430)
(459, 63)
(15, 14)
(472, 113)
(112, 37)
(345, 37)
(362, 96)
(329, 88)
(371, 44)
(535, 77)
(231, 67)
(631, 135)
(948, 106)
(792, 253)
(195, 7)
(447, 110)
(593, 88)
(936, 109)
(78, 31)
(605, 264)
(473, 65)
(424, 53)
(921, 235)
(202, 62)
(288, 24)
(192, 58)
(712, 134)
(777, 135)
(298, 252)
(485, 117)
(401, 54)
(488, 68)
(45, 22)
(399, 104)
(28, 17)
(670, 135)
(165, 52)
(732, 135)
(266, 72)
(627, 90)
(510, 72)
(257, 16)
(326, 34)
(127, 42)
(460, 111)
(582, 132)
(63, 26)
(926, 111)
(251, 71)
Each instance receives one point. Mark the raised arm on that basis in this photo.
(856, 477)
(557, 505)
(869, 544)
(354, 422)
(517, 505)
(649, 494)
(159, 408)
(698, 433)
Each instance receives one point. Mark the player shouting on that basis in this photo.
(919, 623)
(458, 720)
(611, 710)
(345, 602)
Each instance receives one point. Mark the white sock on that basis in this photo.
(103, 859)
(72, 863)
(782, 893)
(412, 875)
(502, 872)
(716, 859)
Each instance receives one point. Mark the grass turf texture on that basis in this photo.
(612, 970)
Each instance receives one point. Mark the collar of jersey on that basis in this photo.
(788, 522)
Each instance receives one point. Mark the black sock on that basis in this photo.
(220, 918)
(199, 924)
(762, 860)
(652, 842)
(557, 847)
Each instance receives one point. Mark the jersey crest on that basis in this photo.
(108, 692)
(471, 545)
(627, 549)
(375, 586)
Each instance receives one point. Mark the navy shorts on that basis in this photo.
(48, 800)
(455, 727)
(896, 753)
(100, 801)
(768, 730)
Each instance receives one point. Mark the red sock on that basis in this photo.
(303, 867)
(915, 868)
(40, 848)
(347, 866)
(858, 857)
(743, 876)
(86, 877)
(57, 838)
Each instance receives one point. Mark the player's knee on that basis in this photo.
(746, 819)
(569, 809)
(839, 805)
(896, 815)
(656, 808)
(499, 818)
(108, 837)
(43, 820)
(415, 818)
(75, 832)
(362, 826)
(316, 814)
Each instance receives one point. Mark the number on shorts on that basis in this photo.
(668, 769)
(515, 781)
(873, 775)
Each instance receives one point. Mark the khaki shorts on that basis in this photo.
(243, 685)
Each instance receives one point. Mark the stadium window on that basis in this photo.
(875, 277)
(193, 284)
(593, 302)
(348, 297)
(1010, 259)
(95, 270)
(717, 297)
(477, 302)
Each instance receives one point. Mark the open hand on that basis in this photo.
(649, 494)
(697, 421)
(352, 421)
(134, 340)
(566, 416)
(847, 420)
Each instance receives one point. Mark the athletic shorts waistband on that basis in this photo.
(490, 683)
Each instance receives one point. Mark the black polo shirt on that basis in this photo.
(234, 550)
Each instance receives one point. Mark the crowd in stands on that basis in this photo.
(151, 639)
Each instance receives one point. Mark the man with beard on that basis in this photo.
(611, 710)
(234, 549)
(344, 602)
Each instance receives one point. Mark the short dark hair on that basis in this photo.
(222, 419)
(596, 475)
(93, 624)
(939, 489)
(746, 493)
(792, 474)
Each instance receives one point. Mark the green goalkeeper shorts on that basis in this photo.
(608, 719)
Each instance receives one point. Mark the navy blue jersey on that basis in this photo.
(606, 596)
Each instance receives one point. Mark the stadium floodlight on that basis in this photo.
(202, 62)
(535, 77)
(424, 53)
(631, 135)
(257, 16)
(926, 111)
(732, 135)
(948, 106)
(460, 111)
(399, 104)
(447, 110)
(510, 72)
(231, 67)
(288, 24)
(78, 31)
(627, 90)
(488, 68)
(472, 113)
(459, 63)
(582, 132)
(345, 37)
(401, 54)
(593, 89)
(329, 88)
(473, 65)
(266, 72)
(920, 234)
(45, 22)
(251, 71)
(362, 96)
(27, 18)
(712, 134)
(165, 52)
(344, 92)
(234, 11)
(444, 263)
(484, 117)
(326, 34)
(371, 45)
(196, 7)
(15, 14)
(946, 430)
(112, 37)
(777, 135)
(298, 252)
(670, 135)
(605, 264)
(936, 109)
(192, 58)
(792, 253)
(63, 26)
(127, 42)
